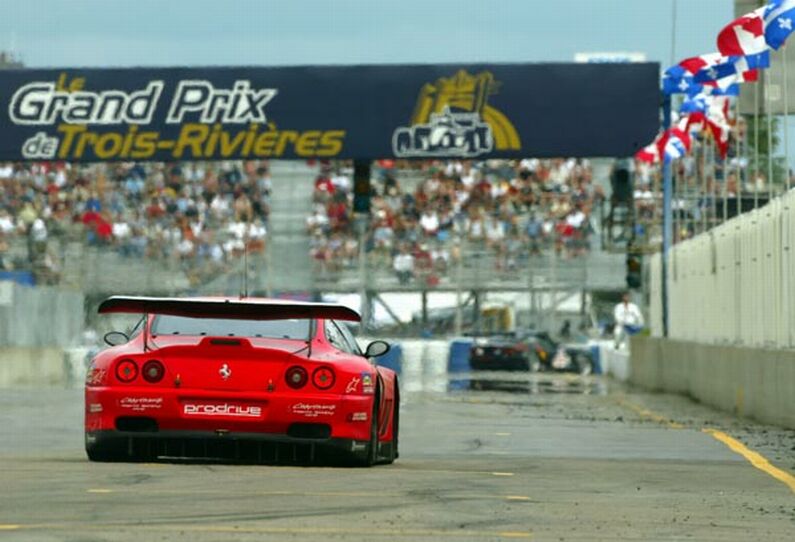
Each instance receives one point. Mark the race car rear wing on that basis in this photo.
(240, 309)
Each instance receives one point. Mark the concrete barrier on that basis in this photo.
(32, 366)
(615, 362)
(753, 382)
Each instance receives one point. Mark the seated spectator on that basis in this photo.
(403, 265)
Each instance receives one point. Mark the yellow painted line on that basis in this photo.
(99, 490)
(755, 458)
(502, 473)
(649, 415)
(517, 498)
(9, 527)
(503, 434)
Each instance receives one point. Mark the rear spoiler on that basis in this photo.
(241, 309)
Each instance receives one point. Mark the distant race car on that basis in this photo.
(254, 380)
(528, 351)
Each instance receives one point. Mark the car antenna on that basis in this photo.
(309, 339)
(146, 331)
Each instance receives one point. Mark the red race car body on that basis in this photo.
(242, 379)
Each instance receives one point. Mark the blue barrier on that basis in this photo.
(458, 360)
(392, 359)
(23, 278)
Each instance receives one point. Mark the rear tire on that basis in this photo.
(394, 453)
(372, 447)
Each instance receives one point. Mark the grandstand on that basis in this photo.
(452, 226)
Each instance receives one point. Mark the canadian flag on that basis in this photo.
(674, 143)
(744, 36)
(649, 154)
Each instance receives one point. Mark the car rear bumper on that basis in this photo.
(266, 415)
(220, 445)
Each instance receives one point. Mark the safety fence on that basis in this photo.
(732, 285)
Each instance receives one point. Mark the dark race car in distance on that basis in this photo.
(249, 379)
(528, 351)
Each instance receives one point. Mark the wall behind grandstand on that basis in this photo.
(38, 317)
(733, 285)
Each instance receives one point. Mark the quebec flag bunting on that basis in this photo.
(779, 21)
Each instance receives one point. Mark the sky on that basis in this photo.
(60, 33)
(79, 33)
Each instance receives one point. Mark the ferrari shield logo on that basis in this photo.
(225, 371)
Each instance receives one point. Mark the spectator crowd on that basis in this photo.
(508, 210)
(426, 216)
(201, 214)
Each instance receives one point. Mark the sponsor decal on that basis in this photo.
(225, 371)
(94, 408)
(222, 409)
(353, 385)
(95, 376)
(358, 416)
(313, 410)
(186, 119)
(367, 384)
(140, 404)
(452, 117)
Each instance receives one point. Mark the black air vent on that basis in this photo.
(225, 342)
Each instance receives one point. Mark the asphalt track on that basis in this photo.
(533, 458)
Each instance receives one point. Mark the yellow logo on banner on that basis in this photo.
(452, 117)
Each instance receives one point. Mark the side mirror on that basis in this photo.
(376, 348)
(115, 338)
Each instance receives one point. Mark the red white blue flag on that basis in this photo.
(744, 36)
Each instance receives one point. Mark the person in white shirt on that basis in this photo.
(403, 264)
(429, 222)
(629, 320)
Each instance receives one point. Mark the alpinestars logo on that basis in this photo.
(453, 118)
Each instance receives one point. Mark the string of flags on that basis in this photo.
(708, 81)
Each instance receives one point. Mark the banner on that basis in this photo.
(363, 112)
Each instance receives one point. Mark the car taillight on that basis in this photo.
(126, 370)
(296, 377)
(153, 371)
(323, 378)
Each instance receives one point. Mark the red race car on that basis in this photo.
(253, 380)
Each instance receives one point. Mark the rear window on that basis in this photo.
(230, 327)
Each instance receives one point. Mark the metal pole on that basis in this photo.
(769, 138)
(756, 145)
(667, 182)
(725, 175)
(673, 33)
(738, 179)
(674, 203)
(364, 302)
(704, 186)
(786, 118)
